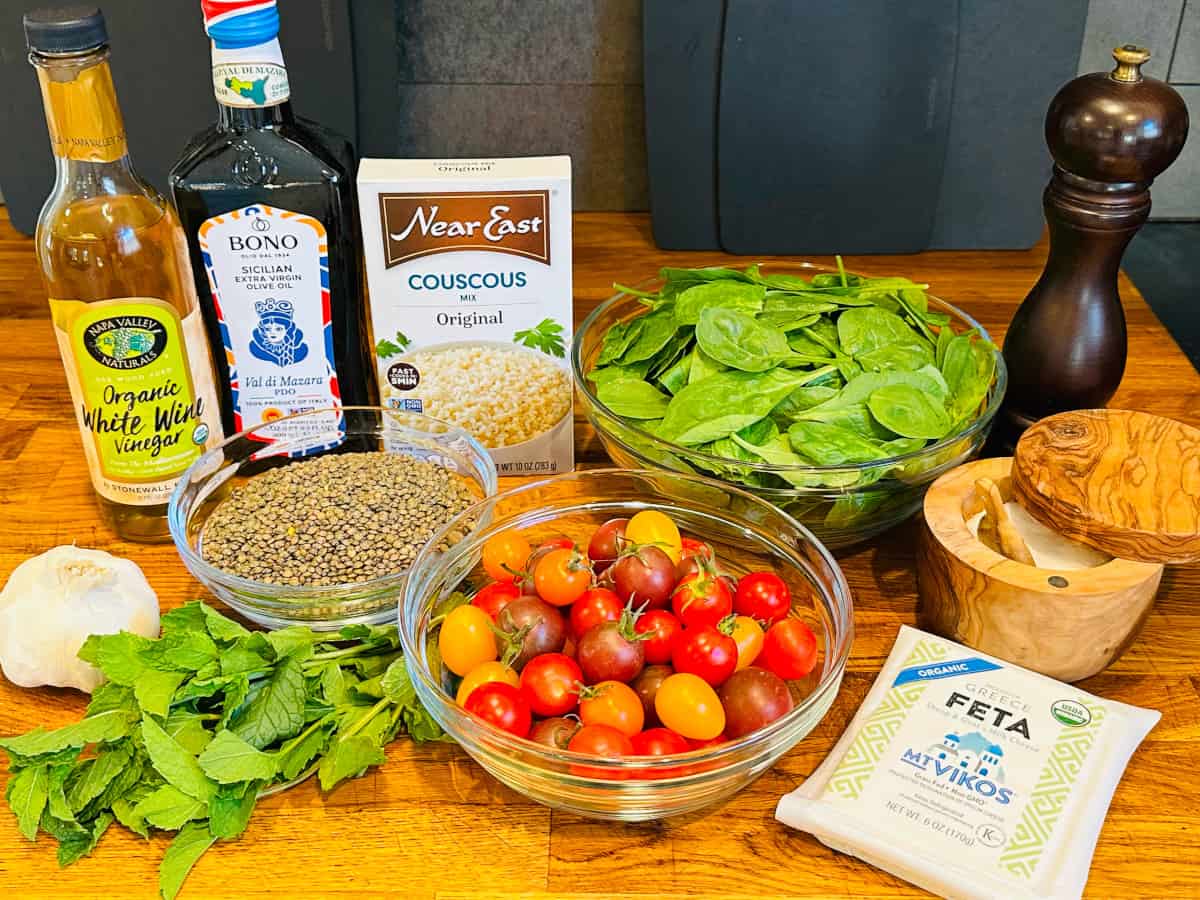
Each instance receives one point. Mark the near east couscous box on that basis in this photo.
(469, 274)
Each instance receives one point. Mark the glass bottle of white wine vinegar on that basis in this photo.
(123, 302)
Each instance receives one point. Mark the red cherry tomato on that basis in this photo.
(502, 706)
(711, 742)
(705, 652)
(662, 627)
(550, 684)
(600, 740)
(495, 596)
(557, 543)
(606, 544)
(763, 596)
(658, 742)
(693, 547)
(789, 650)
(594, 606)
(700, 600)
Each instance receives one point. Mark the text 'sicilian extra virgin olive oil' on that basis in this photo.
(113, 257)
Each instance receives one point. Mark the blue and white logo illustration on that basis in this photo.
(275, 338)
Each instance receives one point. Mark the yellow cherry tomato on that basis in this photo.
(505, 555)
(484, 674)
(688, 705)
(749, 636)
(466, 639)
(652, 527)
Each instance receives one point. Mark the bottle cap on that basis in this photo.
(240, 23)
(71, 29)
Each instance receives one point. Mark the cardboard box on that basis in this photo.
(469, 275)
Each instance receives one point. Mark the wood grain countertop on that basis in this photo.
(431, 824)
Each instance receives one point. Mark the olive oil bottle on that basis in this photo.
(124, 308)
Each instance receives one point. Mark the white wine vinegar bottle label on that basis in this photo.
(142, 418)
(268, 270)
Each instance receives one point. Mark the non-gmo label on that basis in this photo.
(1069, 712)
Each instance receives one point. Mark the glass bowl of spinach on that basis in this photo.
(836, 396)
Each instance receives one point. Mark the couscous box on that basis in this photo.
(469, 275)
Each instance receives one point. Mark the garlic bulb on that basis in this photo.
(53, 601)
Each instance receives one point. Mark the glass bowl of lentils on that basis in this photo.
(314, 519)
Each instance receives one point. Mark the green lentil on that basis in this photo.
(335, 519)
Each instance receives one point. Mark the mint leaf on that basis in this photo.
(109, 696)
(106, 726)
(239, 659)
(123, 809)
(277, 711)
(421, 726)
(116, 655)
(295, 640)
(154, 690)
(79, 844)
(169, 808)
(189, 845)
(300, 750)
(230, 808)
(397, 685)
(26, 794)
(174, 763)
(94, 775)
(188, 729)
(349, 757)
(333, 684)
(183, 619)
(229, 759)
(236, 693)
(188, 651)
(57, 804)
(222, 628)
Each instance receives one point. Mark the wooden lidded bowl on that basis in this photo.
(1125, 483)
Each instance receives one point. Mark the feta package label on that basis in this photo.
(469, 276)
(970, 776)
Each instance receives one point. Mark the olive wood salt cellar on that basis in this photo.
(1123, 483)
(1111, 134)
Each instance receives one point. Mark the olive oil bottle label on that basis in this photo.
(250, 76)
(143, 419)
(268, 270)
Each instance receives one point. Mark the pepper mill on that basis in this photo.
(1111, 134)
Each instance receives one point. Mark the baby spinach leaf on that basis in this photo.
(908, 412)
(703, 366)
(618, 339)
(724, 403)
(228, 758)
(734, 295)
(787, 320)
(658, 327)
(802, 398)
(674, 379)
(277, 711)
(907, 355)
(831, 445)
(633, 399)
(867, 328)
(854, 416)
(189, 845)
(637, 371)
(739, 341)
(27, 793)
(177, 767)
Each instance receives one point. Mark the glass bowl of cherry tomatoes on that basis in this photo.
(627, 645)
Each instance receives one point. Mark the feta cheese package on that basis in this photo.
(971, 777)
(469, 277)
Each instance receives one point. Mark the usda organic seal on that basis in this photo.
(1069, 712)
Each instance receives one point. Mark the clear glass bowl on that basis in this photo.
(359, 429)
(746, 533)
(879, 495)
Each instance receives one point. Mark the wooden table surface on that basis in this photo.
(430, 824)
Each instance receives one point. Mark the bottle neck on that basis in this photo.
(251, 86)
(82, 115)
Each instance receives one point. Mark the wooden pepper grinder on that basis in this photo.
(1110, 135)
